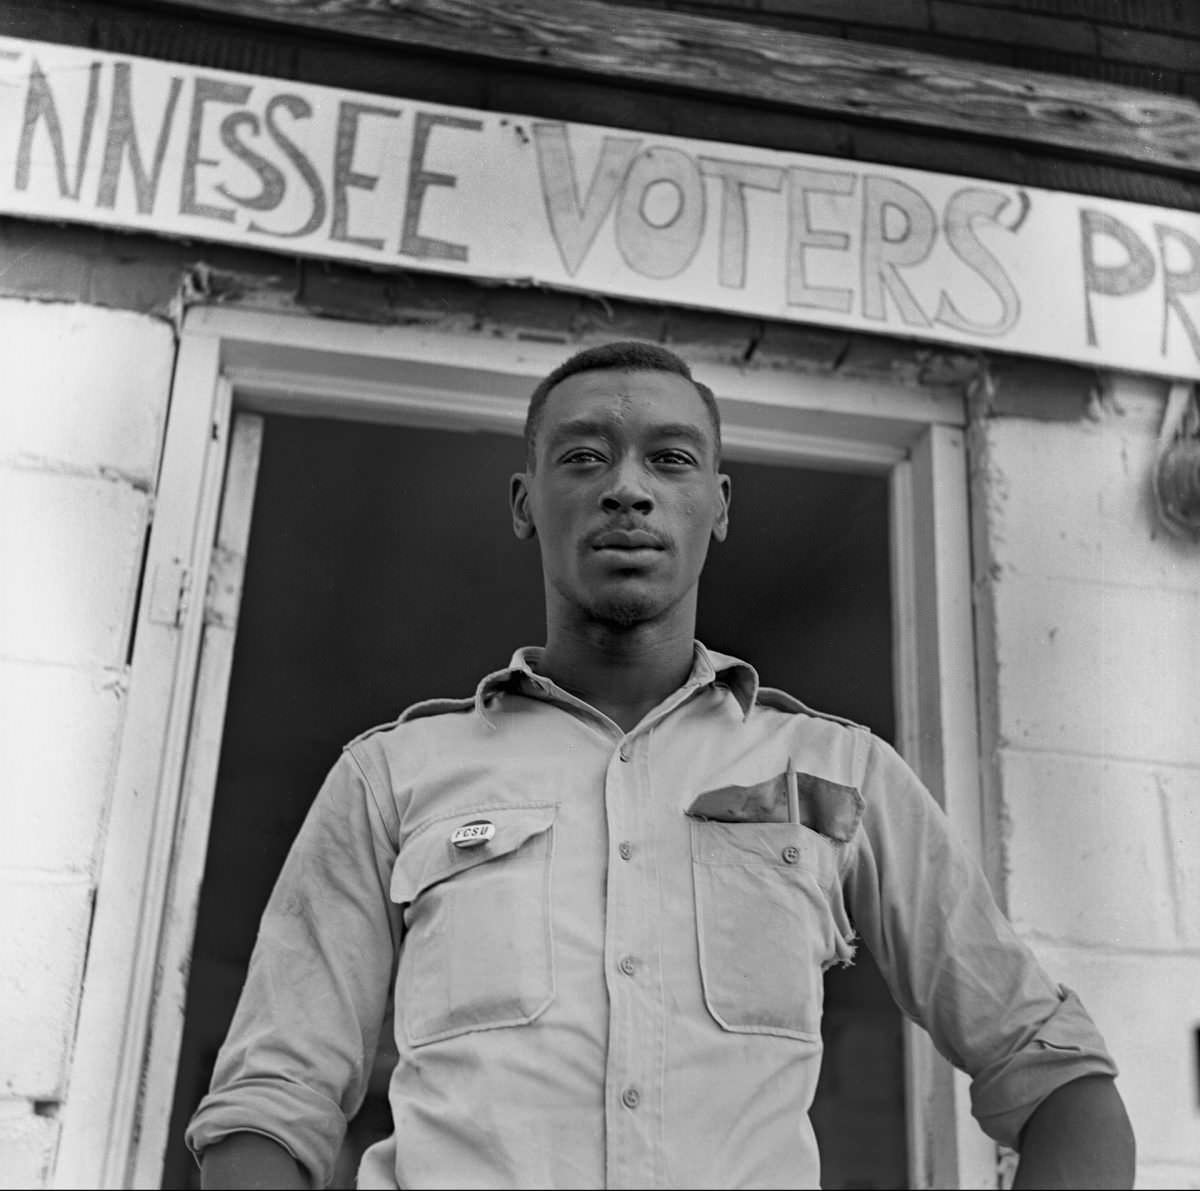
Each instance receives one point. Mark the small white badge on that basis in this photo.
(471, 835)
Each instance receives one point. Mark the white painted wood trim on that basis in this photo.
(249, 338)
(321, 367)
(448, 407)
(199, 786)
(281, 363)
(938, 734)
(99, 1119)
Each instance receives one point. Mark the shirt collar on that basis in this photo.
(740, 677)
(708, 668)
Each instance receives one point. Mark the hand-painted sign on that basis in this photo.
(210, 155)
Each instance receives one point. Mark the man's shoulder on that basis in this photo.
(425, 709)
(781, 701)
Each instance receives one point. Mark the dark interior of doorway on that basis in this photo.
(382, 570)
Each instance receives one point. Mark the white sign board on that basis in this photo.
(211, 155)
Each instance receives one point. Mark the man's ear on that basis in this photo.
(721, 524)
(518, 500)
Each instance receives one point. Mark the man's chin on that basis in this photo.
(621, 603)
(626, 612)
(627, 605)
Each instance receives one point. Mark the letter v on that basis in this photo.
(575, 229)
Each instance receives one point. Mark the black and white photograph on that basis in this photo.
(600, 594)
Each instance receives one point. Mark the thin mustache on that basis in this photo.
(627, 537)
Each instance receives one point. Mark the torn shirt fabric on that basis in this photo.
(594, 987)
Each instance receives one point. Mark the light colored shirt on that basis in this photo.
(608, 991)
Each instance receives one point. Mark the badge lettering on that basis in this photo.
(473, 834)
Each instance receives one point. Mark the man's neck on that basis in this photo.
(621, 672)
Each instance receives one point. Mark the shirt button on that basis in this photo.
(623, 755)
(791, 854)
(631, 1097)
(628, 965)
(625, 849)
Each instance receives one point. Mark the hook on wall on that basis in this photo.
(1177, 464)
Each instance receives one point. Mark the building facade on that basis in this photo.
(263, 267)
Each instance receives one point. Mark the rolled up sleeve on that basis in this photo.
(296, 1061)
(952, 960)
(1065, 1046)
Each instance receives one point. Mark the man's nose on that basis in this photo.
(628, 490)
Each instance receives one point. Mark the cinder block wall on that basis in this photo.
(82, 412)
(1089, 617)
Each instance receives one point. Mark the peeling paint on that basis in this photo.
(116, 684)
(27, 461)
(1172, 870)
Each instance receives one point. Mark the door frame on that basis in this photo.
(115, 1118)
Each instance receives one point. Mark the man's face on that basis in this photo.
(625, 495)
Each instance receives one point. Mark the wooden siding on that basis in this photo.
(1139, 43)
(807, 73)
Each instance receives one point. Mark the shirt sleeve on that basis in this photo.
(297, 1058)
(952, 960)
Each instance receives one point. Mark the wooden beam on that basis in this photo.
(846, 80)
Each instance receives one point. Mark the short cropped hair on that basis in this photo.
(627, 355)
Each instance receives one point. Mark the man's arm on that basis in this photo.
(1078, 1137)
(293, 1066)
(252, 1161)
(956, 965)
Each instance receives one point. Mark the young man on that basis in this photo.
(607, 887)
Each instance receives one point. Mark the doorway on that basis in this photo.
(382, 570)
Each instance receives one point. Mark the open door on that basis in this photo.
(877, 484)
(383, 570)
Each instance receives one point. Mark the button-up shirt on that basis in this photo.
(598, 979)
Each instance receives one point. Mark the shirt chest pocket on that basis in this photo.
(478, 951)
(769, 919)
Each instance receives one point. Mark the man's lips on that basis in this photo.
(627, 539)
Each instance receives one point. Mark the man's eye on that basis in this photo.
(674, 458)
(583, 455)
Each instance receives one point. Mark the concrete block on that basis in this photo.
(1074, 500)
(346, 293)
(43, 937)
(1180, 792)
(1105, 670)
(58, 740)
(701, 336)
(36, 265)
(1158, 1176)
(1146, 1008)
(793, 345)
(599, 319)
(528, 313)
(70, 552)
(1044, 390)
(1087, 851)
(27, 1144)
(88, 389)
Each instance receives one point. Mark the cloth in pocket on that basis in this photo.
(829, 808)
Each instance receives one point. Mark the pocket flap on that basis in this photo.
(429, 854)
